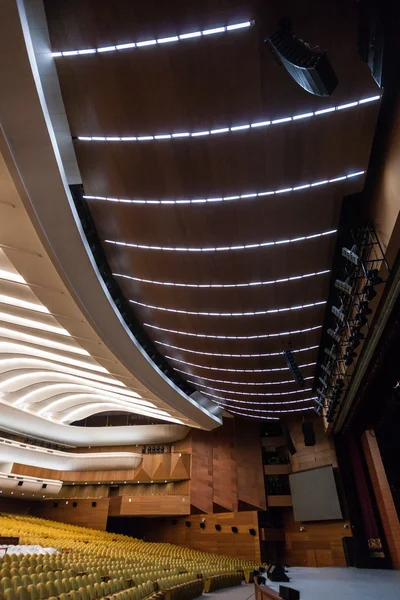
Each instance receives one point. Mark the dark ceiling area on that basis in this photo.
(193, 282)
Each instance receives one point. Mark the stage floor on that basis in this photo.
(330, 583)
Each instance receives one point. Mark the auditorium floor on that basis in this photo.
(329, 584)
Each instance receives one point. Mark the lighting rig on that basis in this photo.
(354, 290)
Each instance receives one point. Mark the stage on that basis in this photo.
(330, 583)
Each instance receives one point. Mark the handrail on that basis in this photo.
(264, 592)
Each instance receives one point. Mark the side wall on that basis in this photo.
(320, 543)
(240, 545)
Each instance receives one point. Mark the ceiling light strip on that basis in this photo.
(261, 355)
(263, 394)
(27, 362)
(266, 411)
(252, 402)
(17, 302)
(14, 348)
(213, 200)
(237, 127)
(243, 414)
(223, 248)
(235, 314)
(157, 41)
(14, 277)
(223, 285)
(189, 364)
(11, 334)
(252, 383)
(233, 337)
(22, 321)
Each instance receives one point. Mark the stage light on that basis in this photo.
(349, 357)
(323, 381)
(351, 255)
(330, 353)
(343, 286)
(363, 308)
(326, 369)
(335, 335)
(338, 312)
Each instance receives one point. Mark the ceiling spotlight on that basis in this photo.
(361, 320)
(335, 335)
(349, 357)
(338, 312)
(343, 286)
(351, 255)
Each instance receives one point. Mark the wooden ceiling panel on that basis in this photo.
(204, 83)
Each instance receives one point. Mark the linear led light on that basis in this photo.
(252, 383)
(8, 276)
(275, 410)
(233, 337)
(236, 314)
(15, 320)
(34, 339)
(222, 285)
(13, 348)
(184, 362)
(73, 415)
(252, 402)
(244, 414)
(44, 392)
(244, 196)
(263, 394)
(236, 127)
(23, 304)
(20, 382)
(28, 362)
(74, 399)
(223, 248)
(174, 38)
(261, 355)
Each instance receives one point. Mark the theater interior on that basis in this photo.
(199, 299)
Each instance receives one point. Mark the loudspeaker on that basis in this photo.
(218, 527)
(187, 523)
(277, 573)
(44, 486)
(20, 483)
(174, 521)
(308, 432)
(74, 504)
(288, 593)
(234, 529)
(202, 525)
(55, 504)
(252, 532)
(288, 439)
(94, 504)
(311, 69)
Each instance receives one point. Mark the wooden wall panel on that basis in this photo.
(320, 544)
(150, 505)
(225, 486)
(383, 495)
(250, 477)
(84, 514)
(240, 545)
(202, 471)
(153, 467)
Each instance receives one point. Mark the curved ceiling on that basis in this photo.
(65, 352)
(214, 181)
